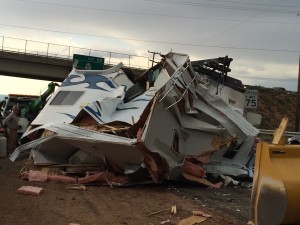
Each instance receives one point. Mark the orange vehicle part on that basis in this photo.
(276, 183)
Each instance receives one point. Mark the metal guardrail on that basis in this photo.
(66, 52)
(271, 132)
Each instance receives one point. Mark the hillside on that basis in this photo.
(274, 104)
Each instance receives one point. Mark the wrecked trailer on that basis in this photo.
(167, 124)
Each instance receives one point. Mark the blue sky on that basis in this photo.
(262, 37)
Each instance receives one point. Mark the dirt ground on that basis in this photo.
(116, 205)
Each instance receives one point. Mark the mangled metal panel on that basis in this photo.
(224, 121)
(173, 141)
(80, 88)
(168, 119)
(61, 143)
(114, 109)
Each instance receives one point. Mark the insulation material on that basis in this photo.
(30, 190)
(62, 179)
(103, 178)
(38, 176)
(193, 169)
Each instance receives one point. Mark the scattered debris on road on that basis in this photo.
(30, 190)
(79, 188)
(192, 220)
(200, 213)
(174, 210)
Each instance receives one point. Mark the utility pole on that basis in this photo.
(298, 102)
(153, 56)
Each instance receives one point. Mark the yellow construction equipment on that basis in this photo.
(276, 183)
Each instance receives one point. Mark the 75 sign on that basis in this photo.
(251, 99)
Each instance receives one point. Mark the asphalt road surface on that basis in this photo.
(114, 205)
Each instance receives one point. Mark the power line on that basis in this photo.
(154, 14)
(224, 32)
(221, 6)
(238, 2)
(251, 3)
(262, 37)
(154, 41)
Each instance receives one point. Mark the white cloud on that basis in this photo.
(125, 19)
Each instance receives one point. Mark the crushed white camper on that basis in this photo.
(175, 121)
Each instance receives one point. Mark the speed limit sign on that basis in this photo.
(251, 99)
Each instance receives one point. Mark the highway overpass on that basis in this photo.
(41, 67)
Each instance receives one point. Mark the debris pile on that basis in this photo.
(107, 127)
(196, 217)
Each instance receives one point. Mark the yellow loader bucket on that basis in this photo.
(276, 185)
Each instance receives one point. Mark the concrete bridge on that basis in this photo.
(34, 67)
(39, 67)
(46, 65)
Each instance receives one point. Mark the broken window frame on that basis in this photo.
(176, 143)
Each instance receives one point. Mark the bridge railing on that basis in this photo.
(64, 51)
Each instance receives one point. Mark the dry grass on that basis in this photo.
(274, 104)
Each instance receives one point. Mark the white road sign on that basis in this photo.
(251, 99)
